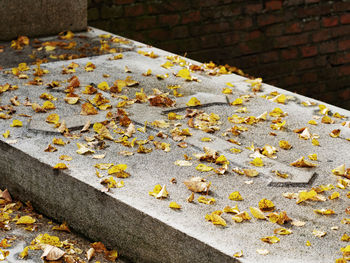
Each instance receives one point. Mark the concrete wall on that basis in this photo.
(41, 17)
(299, 45)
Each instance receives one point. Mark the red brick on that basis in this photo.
(344, 45)
(243, 23)
(253, 9)
(169, 20)
(175, 5)
(230, 38)
(293, 2)
(338, 59)
(252, 35)
(340, 31)
(145, 22)
(194, 16)
(285, 41)
(345, 19)
(290, 80)
(158, 34)
(209, 41)
(330, 21)
(311, 25)
(122, 2)
(275, 30)
(345, 94)
(309, 77)
(309, 51)
(328, 47)
(341, 6)
(322, 35)
(179, 32)
(264, 20)
(289, 53)
(245, 49)
(271, 56)
(311, 1)
(344, 70)
(294, 28)
(273, 5)
(134, 10)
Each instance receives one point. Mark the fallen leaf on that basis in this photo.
(90, 253)
(25, 220)
(174, 205)
(235, 196)
(193, 102)
(207, 201)
(301, 162)
(257, 213)
(270, 239)
(197, 184)
(266, 205)
(318, 233)
(51, 252)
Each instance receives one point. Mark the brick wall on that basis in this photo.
(299, 45)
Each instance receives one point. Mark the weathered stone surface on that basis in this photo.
(41, 17)
(145, 229)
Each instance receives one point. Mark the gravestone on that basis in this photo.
(144, 228)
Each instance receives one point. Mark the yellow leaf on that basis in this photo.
(235, 196)
(167, 65)
(335, 133)
(159, 191)
(111, 255)
(48, 105)
(103, 86)
(345, 237)
(185, 74)
(340, 170)
(60, 166)
(83, 149)
(25, 220)
(63, 227)
(53, 118)
(6, 134)
(308, 243)
(174, 205)
(58, 141)
(257, 162)
(284, 145)
(206, 139)
(238, 101)
(117, 168)
(65, 158)
(240, 217)
(334, 195)
(227, 91)
(306, 195)
(324, 211)
(315, 142)
(257, 213)
(282, 231)
(103, 166)
(207, 201)
(270, 239)
(235, 150)
(313, 157)
(16, 123)
(266, 205)
(238, 254)
(301, 162)
(215, 218)
(204, 168)
(250, 172)
(24, 252)
(229, 209)
(312, 122)
(193, 102)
